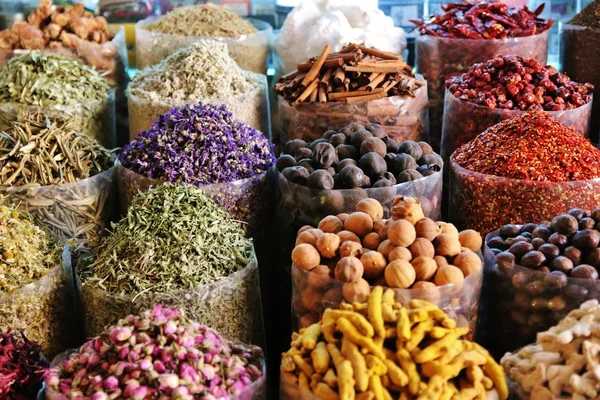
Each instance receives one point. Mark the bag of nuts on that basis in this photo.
(541, 273)
(415, 256)
(484, 96)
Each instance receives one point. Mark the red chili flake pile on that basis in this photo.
(531, 146)
(488, 19)
(523, 83)
(22, 367)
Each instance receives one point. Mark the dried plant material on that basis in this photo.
(34, 293)
(202, 20)
(58, 86)
(58, 175)
(175, 246)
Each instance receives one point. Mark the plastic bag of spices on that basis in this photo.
(580, 59)
(464, 120)
(231, 305)
(95, 119)
(440, 58)
(251, 107)
(76, 213)
(44, 310)
(246, 200)
(403, 117)
(518, 302)
(251, 51)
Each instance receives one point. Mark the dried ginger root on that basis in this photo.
(380, 350)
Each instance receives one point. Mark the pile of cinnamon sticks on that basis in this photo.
(354, 75)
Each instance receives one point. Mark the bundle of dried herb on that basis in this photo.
(61, 86)
(36, 152)
(22, 367)
(33, 285)
(176, 247)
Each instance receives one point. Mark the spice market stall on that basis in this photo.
(358, 83)
(472, 32)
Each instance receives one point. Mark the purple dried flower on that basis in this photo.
(198, 144)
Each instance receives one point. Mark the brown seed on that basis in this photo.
(402, 233)
(349, 269)
(400, 274)
(331, 224)
(350, 248)
(469, 263)
(426, 228)
(422, 247)
(400, 253)
(359, 223)
(470, 239)
(374, 264)
(371, 207)
(584, 271)
(356, 291)
(348, 236)
(305, 256)
(385, 247)
(371, 241)
(328, 245)
(309, 236)
(425, 268)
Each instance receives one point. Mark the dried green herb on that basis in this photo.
(173, 237)
(62, 87)
(34, 295)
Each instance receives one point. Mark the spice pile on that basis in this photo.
(488, 19)
(183, 26)
(175, 357)
(353, 159)
(36, 152)
(563, 361)
(355, 74)
(203, 71)
(378, 348)
(528, 168)
(63, 88)
(172, 243)
(22, 367)
(315, 22)
(406, 251)
(542, 272)
(29, 256)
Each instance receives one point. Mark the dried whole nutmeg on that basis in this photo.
(403, 162)
(337, 139)
(408, 176)
(596, 215)
(556, 280)
(586, 239)
(587, 223)
(533, 259)
(578, 213)
(284, 161)
(412, 148)
(307, 163)
(509, 231)
(320, 179)
(372, 164)
(549, 250)
(377, 130)
(528, 228)
(542, 232)
(351, 177)
(537, 243)
(381, 183)
(592, 257)
(344, 163)
(506, 260)
(559, 240)
(297, 174)
(573, 254)
(426, 148)
(497, 243)
(584, 271)
(566, 224)
(360, 136)
(292, 146)
(562, 264)
(324, 155)
(346, 151)
(519, 249)
(375, 145)
(392, 145)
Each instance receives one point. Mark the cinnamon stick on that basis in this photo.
(343, 95)
(322, 94)
(375, 82)
(316, 68)
(313, 96)
(378, 53)
(374, 68)
(326, 78)
(370, 97)
(339, 76)
(308, 91)
(330, 63)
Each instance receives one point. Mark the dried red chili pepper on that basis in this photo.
(22, 366)
(488, 19)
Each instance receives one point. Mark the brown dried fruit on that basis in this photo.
(402, 233)
(400, 274)
(343, 217)
(371, 207)
(374, 264)
(371, 241)
(422, 247)
(346, 236)
(400, 253)
(359, 223)
(312, 299)
(331, 224)
(584, 271)
(349, 269)
(385, 247)
(440, 261)
(425, 268)
(470, 239)
(447, 245)
(425, 228)
(304, 228)
(408, 208)
(447, 275)
(447, 228)
(350, 248)
(469, 263)
(356, 291)
(309, 236)
(305, 256)
(328, 245)
(383, 232)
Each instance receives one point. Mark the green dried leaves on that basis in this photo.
(173, 237)
(37, 151)
(39, 78)
(27, 253)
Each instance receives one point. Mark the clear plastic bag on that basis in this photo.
(440, 58)
(312, 294)
(230, 305)
(580, 57)
(404, 118)
(246, 200)
(44, 310)
(519, 302)
(251, 52)
(255, 391)
(487, 202)
(251, 107)
(95, 119)
(463, 121)
(77, 214)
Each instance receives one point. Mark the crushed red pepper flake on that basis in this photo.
(532, 146)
